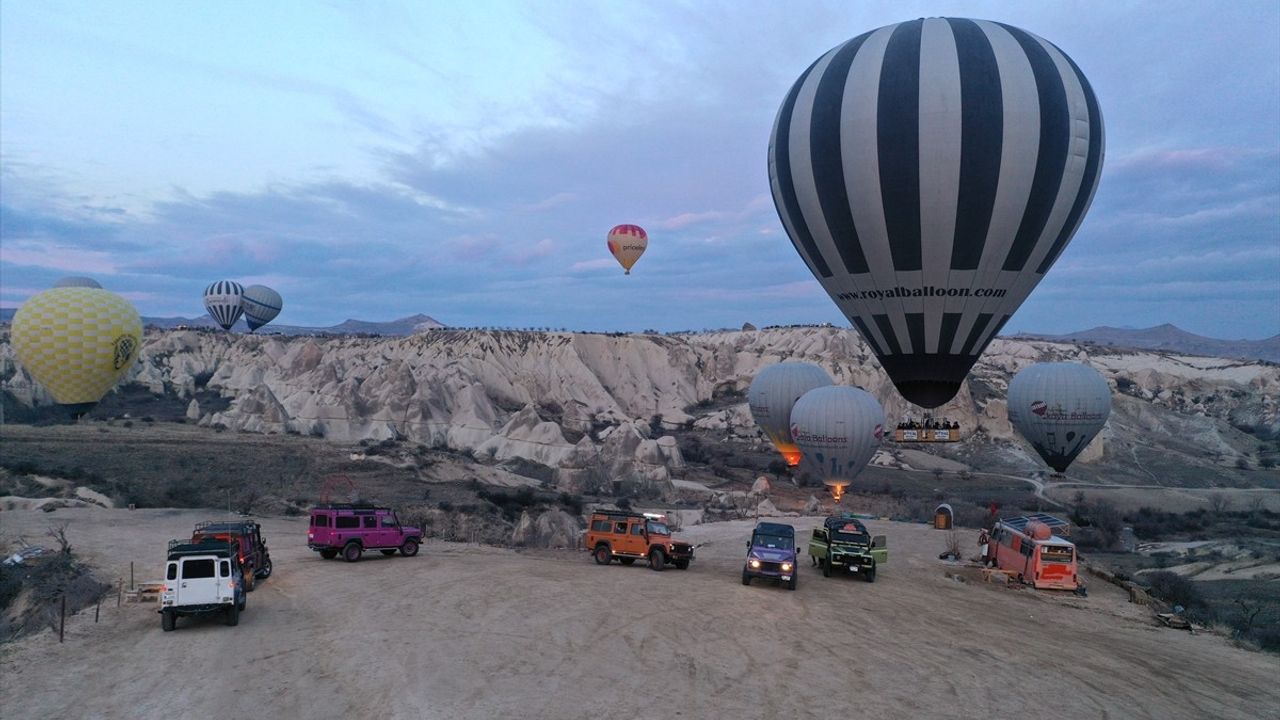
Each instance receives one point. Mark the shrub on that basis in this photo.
(1178, 590)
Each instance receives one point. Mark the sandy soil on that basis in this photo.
(466, 631)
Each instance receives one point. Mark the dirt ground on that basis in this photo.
(468, 631)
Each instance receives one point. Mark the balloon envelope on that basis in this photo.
(930, 173)
(222, 300)
(774, 391)
(77, 342)
(1059, 408)
(77, 281)
(837, 429)
(627, 243)
(261, 305)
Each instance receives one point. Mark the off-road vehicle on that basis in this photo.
(771, 554)
(630, 536)
(202, 578)
(844, 543)
(352, 528)
(247, 536)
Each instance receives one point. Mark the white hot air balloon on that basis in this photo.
(1059, 408)
(222, 300)
(774, 391)
(838, 430)
(261, 305)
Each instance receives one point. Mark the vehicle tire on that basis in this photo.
(265, 572)
(352, 552)
(233, 615)
(870, 575)
(409, 548)
(746, 579)
(682, 564)
(385, 551)
(602, 554)
(627, 561)
(826, 567)
(243, 602)
(329, 553)
(657, 560)
(794, 581)
(168, 620)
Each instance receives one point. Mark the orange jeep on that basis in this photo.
(630, 536)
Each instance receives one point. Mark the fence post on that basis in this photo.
(97, 609)
(119, 591)
(62, 621)
(130, 575)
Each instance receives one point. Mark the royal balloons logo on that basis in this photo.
(879, 432)
(1039, 408)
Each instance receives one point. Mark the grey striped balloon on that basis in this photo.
(773, 392)
(1059, 408)
(837, 429)
(222, 300)
(77, 281)
(261, 305)
(930, 173)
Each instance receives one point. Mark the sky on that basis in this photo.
(465, 160)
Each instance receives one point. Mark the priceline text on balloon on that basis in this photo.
(926, 291)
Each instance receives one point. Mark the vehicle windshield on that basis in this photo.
(1055, 554)
(657, 528)
(766, 540)
(849, 537)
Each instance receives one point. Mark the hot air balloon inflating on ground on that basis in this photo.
(1059, 408)
(627, 243)
(223, 302)
(930, 173)
(77, 342)
(773, 392)
(261, 305)
(837, 430)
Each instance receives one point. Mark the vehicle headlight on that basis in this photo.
(786, 567)
(755, 564)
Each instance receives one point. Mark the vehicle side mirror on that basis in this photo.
(797, 550)
(748, 544)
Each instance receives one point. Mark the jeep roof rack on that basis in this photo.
(208, 547)
(775, 528)
(348, 506)
(221, 525)
(619, 514)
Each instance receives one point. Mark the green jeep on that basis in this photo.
(843, 541)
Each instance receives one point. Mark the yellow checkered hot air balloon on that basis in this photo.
(77, 342)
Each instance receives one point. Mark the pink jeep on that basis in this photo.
(352, 528)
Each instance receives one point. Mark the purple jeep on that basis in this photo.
(771, 554)
(352, 528)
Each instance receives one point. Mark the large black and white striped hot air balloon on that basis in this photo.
(222, 300)
(930, 173)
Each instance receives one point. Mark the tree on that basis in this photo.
(1218, 502)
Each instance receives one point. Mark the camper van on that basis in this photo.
(1026, 548)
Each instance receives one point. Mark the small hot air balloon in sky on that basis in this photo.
(930, 173)
(1059, 408)
(837, 429)
(77, 281)
(261, 305)
(774, 391)
(627, 243)
(77, 342)
(222, 300)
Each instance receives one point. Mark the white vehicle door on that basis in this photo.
(198, 581)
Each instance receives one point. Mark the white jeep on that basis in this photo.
(202, 578)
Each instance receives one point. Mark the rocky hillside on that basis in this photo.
(612, 413)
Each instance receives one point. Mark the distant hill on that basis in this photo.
(1172, 338)
(403, 326)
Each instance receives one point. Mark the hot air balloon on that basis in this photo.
(261, 305)
(222, 300)
(77, 342)
(929, 173)
(627, 243)
(1059, 408)
(774, 391)
(77, 281)
(837, 430)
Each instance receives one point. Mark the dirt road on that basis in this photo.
(473, 632)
